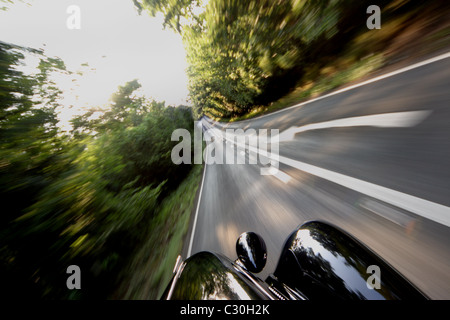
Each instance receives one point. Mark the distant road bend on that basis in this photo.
(372, 159)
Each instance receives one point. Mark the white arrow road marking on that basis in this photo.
(430, 210)
(386, 120)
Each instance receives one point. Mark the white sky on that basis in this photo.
(135, 47)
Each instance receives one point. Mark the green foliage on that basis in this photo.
(136, 137)
(31, 155)
(174, 10)
(153, 262)
(244, 54)
(84, 198)
(28, 143)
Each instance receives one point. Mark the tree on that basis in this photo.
(247, 53)
(83, 199)
(174, 11)
(31, 153)
(243, 53)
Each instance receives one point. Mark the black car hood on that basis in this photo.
(318, 261)
(208, 276)
(321, 261)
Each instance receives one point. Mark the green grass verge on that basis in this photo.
(151, 268)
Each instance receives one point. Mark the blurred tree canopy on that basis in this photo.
(247, 53)
(83, 198)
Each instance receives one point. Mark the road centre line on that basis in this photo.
(430, 210)
(425, 207)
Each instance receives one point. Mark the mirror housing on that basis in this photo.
(251, 251)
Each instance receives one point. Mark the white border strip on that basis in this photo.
(384, 76)
(196, 211)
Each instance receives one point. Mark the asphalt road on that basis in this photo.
(387, 185)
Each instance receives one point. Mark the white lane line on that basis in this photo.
(385, 120)
(430, 210)
(427, 209)
(196, 211)
(384, 76)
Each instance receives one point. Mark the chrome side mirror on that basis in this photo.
(251, 251)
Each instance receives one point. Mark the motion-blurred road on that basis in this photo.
(387, 184)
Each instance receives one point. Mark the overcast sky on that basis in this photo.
(134, 46)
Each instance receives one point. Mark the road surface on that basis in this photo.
(373, 159)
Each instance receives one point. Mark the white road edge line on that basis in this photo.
(384, 76)
(196, 211)
(445, 219)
